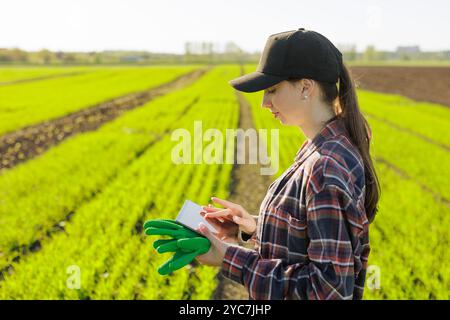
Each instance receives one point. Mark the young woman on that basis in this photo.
(311, 238)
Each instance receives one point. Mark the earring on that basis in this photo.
(306, 97)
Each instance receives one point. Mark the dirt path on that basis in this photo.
(24, 144)
(419, 83)
(248, 188)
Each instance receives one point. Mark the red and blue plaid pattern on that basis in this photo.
(312, 236)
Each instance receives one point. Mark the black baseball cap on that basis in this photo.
(293, 54)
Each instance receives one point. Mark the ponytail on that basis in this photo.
(360, 135)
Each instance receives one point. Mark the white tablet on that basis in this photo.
(190, 216)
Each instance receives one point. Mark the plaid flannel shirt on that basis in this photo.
(312, 235)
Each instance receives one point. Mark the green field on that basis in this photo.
(16, 74)
(34, 102)
(82, 203)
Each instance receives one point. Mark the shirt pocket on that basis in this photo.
(289, 233)
(297, 239)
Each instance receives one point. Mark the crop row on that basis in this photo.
(12, 74)
(427, 119)
(33, 102)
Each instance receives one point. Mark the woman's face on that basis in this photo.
(287, 101)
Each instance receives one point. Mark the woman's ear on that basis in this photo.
(307, 88)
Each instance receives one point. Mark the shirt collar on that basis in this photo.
(333, 127)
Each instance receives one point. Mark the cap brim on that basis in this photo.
(255, 81)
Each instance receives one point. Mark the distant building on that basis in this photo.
(131, 58)
(407, 52)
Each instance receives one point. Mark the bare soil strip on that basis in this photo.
(61, 75)
(409, 131)
(30, 248)
(418, 83)
(248, 188)
(25, 144)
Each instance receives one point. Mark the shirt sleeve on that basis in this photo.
(329, 272)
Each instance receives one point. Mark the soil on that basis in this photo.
(419, 83)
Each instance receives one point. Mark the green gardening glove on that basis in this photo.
(186, 244)
(200, 244)
(185, 251)
(165, 227)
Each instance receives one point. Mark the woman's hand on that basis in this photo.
(215, 255)
(228, 221)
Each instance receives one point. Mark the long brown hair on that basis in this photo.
(345, 105)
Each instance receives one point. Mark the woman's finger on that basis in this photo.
(221, 222)
(211, 209)
(222, 202)
(203, 213)
(221, 213)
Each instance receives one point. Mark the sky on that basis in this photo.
(165, 25)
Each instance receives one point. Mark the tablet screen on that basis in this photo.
(190, 216)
